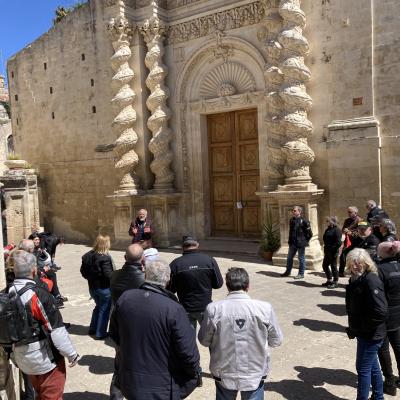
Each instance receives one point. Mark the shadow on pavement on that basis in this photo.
(81, 330)
(291, 389)
(272, 274)
(304, 284)
(315, 273)
(333, 293)
(318, 376)
(85, 396)
(335, 309)
(319, 326)
(98, 365)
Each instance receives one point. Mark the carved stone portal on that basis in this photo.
(153, 31)
(127, 159)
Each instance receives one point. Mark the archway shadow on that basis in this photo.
(319, 326)
(335, 309)
(271, 274)
(80, 330)
(98, 365)
(85, 396)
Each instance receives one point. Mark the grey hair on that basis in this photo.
(353, 208)
(24, 263)
(157, 272)
(299, 208)
(389, 225)
(360, 256)
(27, 245)
(372, 203)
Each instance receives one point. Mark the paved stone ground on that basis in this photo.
(316, 361)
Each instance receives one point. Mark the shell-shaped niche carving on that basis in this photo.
(227, 79)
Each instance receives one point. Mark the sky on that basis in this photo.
(23, 21)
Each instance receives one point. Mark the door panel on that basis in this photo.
(234, 173)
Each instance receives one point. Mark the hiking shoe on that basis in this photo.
(285, 274)
(327, 283)
(342, 275)
(62, 298)
(333, 285)
(299, 277)
(389, 386)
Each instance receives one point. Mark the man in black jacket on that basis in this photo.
(300, 234)
(159, 359)
(366, 240)
(131, 275)
(375, 216)
(193, 276)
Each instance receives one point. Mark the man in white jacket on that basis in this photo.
(239, 331)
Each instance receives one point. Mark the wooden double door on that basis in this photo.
(234, 173)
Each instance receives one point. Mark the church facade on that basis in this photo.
(213, 115)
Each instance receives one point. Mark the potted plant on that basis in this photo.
(270, 241)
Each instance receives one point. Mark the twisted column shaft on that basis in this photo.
(153, 31)
(124, 96)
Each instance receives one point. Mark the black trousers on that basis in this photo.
(53, 277)
(329, 264)
(393, 337)
(342, 260)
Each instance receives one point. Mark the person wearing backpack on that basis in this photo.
(32, 325)
(300, 234)
(97, 267)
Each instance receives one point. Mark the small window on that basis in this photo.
(51, 90)
(52, 115)
(92, 82)
(17, 121)
(10, 143)
(45, 66)
(16, 97)
(94, 109)
(83, 57)
(12, 74)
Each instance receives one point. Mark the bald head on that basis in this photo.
(134, 253)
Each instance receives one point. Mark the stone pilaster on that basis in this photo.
(154, 31)
(127, 160)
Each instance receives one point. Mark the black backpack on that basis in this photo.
(90, 268)
(14, 320)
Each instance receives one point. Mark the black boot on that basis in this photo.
(389, 386)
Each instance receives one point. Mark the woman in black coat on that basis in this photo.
(367, 310)
(97, 268)
(389, 272)
(332, 241)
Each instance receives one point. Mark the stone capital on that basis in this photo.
(120, 28)
(153, 28)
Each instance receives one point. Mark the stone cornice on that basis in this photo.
(353, 123)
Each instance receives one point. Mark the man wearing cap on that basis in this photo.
(193, 276)
(366, 239)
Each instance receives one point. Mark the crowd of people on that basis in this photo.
(156, 351)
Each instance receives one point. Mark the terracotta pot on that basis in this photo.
(267, 255)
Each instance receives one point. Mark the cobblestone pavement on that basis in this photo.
(316, 361)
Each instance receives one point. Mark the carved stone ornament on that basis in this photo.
(238, 77)
(153, 31)
(124, 96)
(248, 14)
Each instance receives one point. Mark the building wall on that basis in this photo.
(354, 87)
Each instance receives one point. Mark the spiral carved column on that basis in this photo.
(293, 93)
(153, 31)
(124, 96)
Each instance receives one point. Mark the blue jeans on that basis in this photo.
(368, 369)
(226, 394)
(101, 313)
(302, 258)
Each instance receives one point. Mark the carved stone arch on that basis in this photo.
(210, 55)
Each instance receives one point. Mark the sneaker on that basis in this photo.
(299, 277)
(62, 298)
(342, 275)
(333, 285)
(327, 283)
(286, 273)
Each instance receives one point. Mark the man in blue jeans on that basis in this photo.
(300, 234)
(239, 331)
